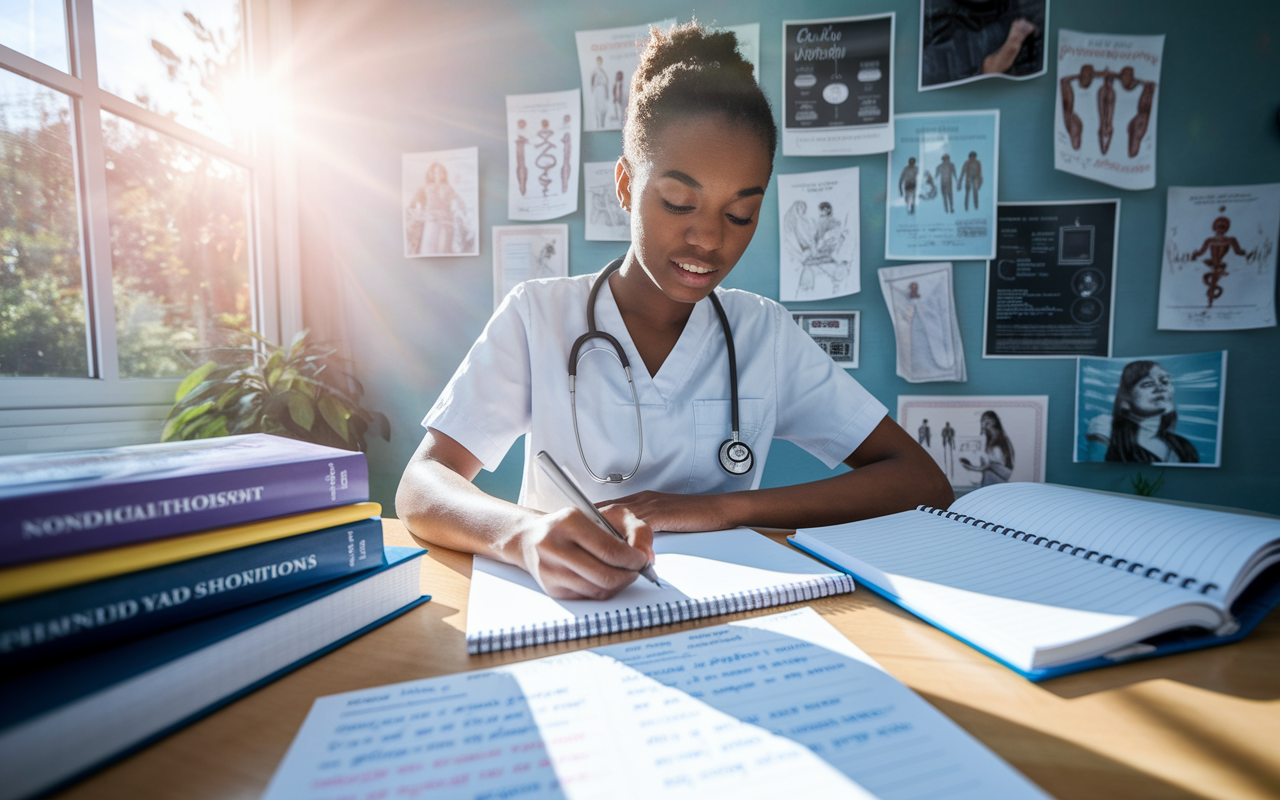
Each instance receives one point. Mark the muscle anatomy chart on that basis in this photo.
(542, 155)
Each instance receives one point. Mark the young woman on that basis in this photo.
(996, 462)
(1143, 418)
(678, 442)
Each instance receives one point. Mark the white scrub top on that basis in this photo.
(514, 381)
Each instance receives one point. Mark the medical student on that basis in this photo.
(698, 153)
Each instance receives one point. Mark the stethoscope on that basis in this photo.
(735, 456)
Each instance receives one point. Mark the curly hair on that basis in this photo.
(688, 70)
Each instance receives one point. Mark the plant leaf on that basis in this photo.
(196, 377)
(336, 415)
(172, 427)
(302, 410)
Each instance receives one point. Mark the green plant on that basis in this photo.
(1145, 487)
(289, 391)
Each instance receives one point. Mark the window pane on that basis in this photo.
(36, 28)
(179, 250)
(180, 58)
(42, 311)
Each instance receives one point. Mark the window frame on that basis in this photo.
(102, 409)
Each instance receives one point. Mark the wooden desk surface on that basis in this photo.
(1196, 725)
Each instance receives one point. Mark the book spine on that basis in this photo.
(650, 616)
(98, 516)
(1102, 559)
(57, 625)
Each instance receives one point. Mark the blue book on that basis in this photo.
(1050, 580)
(55, 625)
(57, 504)
(58, 724)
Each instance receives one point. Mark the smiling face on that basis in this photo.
(695, 203)
(1153, 394)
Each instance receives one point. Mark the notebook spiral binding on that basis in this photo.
(627, 619)
(1088, 555)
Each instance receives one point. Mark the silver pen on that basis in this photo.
(571, 490)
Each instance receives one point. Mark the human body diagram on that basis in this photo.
(814, 245)
(436, 217)
(1137, 127)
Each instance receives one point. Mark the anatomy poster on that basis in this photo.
(836, 332)
(440, 198)
(818, 234)
(1151, 409)
(526, 252)
(922, 304)
(607, 59)
(1219, 270)
(748, 43)
(979, 441)
(837, 86)
(961, 42)
(941, 201)
(542, 155)
(1051, 286)
(607, 220)
(1104, 124)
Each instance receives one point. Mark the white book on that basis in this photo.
(1052, 580)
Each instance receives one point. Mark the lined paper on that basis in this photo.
(773, 706)
(1210, 546)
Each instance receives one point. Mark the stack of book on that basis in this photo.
(143, 587)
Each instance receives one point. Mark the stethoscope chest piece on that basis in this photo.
(736, 457)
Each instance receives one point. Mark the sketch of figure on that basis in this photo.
(437, 217)
(522, 171)
(995, 462)
(619, 99)
(600, 93)
(566, 167)
(542, 264)
(1218, 245)
(907, 184)
(946, 173)
(928, 330)
(949, 447)
(828, 236)
(971, 179)
(923, 434)
(797, 233)
(603, 208)
(931, 189)
(546, 158)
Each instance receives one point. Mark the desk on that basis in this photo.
(1196, 725)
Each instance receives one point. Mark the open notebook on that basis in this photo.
(1052, 580)
(703, 575)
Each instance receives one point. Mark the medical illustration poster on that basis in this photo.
(836, 332)
(1105, 116)
(1163, 410)
(607, 220)
(607, 59)
(979, 441)
(922, 304)
(941, 201)
(525, 252)
(962, 41)
(1219, 270)
(818, 235)
(837, 86)
(542, 155)
(748, 43)
(440, 198)
(1051, 287)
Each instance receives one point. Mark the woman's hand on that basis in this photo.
(572, 558)
(682, 513)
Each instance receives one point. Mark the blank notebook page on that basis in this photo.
(691, 566)
(1211, 545)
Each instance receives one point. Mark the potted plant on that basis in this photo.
(289, 391)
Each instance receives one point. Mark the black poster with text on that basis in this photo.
(838, 73)
(1051, 286)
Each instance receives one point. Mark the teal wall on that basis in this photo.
(379, 78)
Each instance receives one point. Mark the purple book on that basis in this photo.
(59, 504)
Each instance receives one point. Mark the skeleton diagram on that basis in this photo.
(1107, 106)
(1218, 245)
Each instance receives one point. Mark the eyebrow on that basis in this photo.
(689, 181)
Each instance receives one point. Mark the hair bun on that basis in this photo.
(688, 45)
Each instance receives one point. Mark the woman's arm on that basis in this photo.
(891, 473)
(569, 555)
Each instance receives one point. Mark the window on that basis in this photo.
(145, 215)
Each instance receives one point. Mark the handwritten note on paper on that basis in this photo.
(774, 704)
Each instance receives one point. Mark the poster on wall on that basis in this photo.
(542, 155)
(526, 252)
(1051, 287)
(980, 440)
(1219, 269)
(941, 201)
(607, 220)
(838, 333)
(922, 304)
(961, 42)
(1163, 410)
(1104, 125)
(819, 235)
(748, 37)
(837, 86)
(440, 200)
(607, 58)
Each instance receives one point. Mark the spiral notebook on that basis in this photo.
(703, 575)
(1051, 580)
